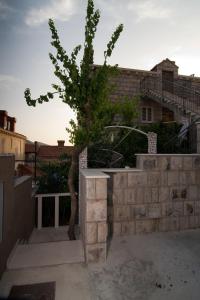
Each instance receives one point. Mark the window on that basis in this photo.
(147, 114)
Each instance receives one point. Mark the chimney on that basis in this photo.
(3, 119)
(61, 143)
(12, 124)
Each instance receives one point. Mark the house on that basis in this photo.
(11, 141)
(166, 95)
(41, 153)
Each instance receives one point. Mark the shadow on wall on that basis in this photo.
(18, 208)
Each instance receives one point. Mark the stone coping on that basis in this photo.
(120, 170)
(93, 173)
(167, 154)
(21, 179)
(100, 173)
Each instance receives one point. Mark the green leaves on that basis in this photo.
(111, 44)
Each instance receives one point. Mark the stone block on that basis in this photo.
(101, 188)
(130, 196)
(139, 211)
(187, 178)
(196, 163)
(176, 163)
(122, 213)
(137, 178)
(189, 208)
(164, 163)
(154, 211)
(163, 178)
(197, 176)
(169, 224)
(91, 233)
(90, 188)
(96, 253)
(167, 209)
(154, 178)
(154, 195)
(194, 222)
(96, 210)
(139, 194)
(197, 208)
(187, 163)
(193, 192)
(146, 226)
(173, 178)
(118, 196)
(184, 222)
(178, 193)
(149, 163)
(178, 209)
(174, 223)
(125, 230)
(164, 195)
(117, 228)
(147, 195)
(132, 227)
(102, 232)
(120, 180)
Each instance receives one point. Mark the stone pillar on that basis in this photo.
(83, 164)
(94, 215)
(198, 137)
(83, 159)
(152, 143)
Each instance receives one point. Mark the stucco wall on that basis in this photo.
(18, 209)
(12, 143)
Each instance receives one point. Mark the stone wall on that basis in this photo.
(93, 214)
(162, 194)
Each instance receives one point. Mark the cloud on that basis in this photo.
(5, 10)
(140, 10)
(57, 9)
(150, 9)
(8, 81)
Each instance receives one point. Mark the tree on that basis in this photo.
(85, 89)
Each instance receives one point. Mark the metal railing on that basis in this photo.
(186, 99)
(40, 197)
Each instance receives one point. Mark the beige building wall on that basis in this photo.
(11, 142)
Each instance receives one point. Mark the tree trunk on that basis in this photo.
(71, 184)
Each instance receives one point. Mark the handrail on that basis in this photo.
(39, 212)
(52, 195)
(187, 100)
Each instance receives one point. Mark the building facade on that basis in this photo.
(165, 95)
(11, 141)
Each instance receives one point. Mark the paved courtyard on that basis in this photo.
(145, 267)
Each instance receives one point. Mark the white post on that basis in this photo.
(56, 211)
(39, 212)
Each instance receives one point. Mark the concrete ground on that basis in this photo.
(145, 267)
(51, 234)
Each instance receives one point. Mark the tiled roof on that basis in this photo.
(53, 151)
(29, 148)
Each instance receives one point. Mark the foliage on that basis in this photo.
(167, 142)
(54, 176)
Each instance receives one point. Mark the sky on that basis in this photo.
(153, 30)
